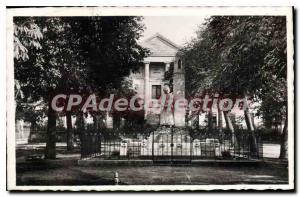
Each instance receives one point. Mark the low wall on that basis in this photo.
(98, 162)
(202, 162)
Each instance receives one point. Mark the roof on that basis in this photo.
(160, 46)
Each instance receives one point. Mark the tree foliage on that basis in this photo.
(241, 56)
(110, 49)
(26, 34)
(63, 54)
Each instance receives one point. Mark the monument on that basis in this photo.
(167, 108)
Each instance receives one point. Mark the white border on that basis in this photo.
(149, 11)
(145, 11)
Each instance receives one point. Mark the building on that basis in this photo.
(150, 78)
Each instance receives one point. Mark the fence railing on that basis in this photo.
(242, 145)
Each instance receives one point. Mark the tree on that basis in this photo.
(200, 59)
(110, 49)
(93, 53)
(26, 34)
(254, 49)
(246, 56)
(48, 67)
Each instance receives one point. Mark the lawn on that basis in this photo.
(67, 172)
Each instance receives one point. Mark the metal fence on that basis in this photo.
(240, 145)
(173, 146)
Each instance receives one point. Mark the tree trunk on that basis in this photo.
(230, 127)
(252, 119)
(210, 123)
(70, 133)
(95, 120)
(195, 121)
(220, 120)
(116, 122)
(50, 151)
(32, 130)
(251, 128)
(248, 119)
(284, 141)
(81, 130)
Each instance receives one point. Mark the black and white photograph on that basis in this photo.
(150, 98)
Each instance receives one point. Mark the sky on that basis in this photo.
(178, 29)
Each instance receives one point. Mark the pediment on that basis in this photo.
(160, 46)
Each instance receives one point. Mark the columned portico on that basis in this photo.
(151, 78)
(167, 67)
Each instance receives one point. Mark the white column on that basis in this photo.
(167, 67)
(146, 83)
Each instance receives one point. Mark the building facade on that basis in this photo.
(149, 80)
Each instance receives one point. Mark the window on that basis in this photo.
(156, 91)
(179, 64)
